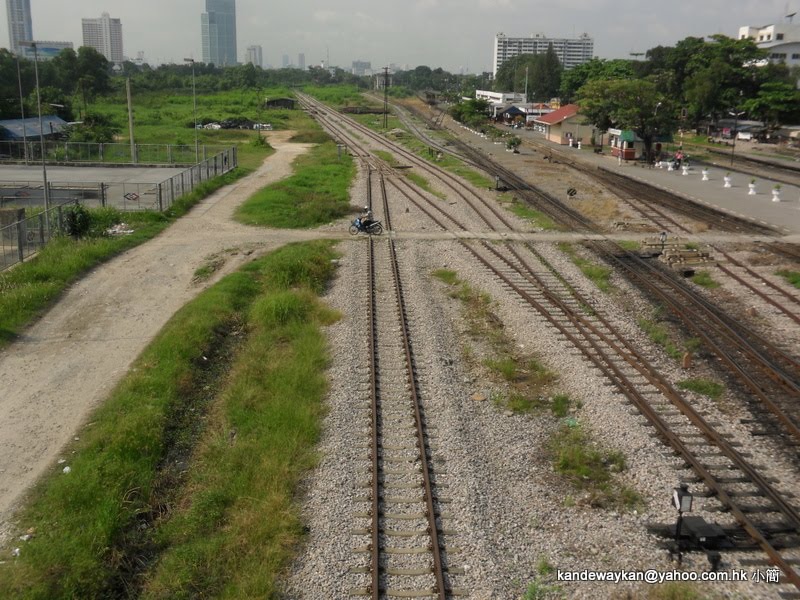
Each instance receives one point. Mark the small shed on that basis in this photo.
(287, 103)
(15, 130)
(564, 126)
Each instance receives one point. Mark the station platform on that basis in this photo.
(783, 216)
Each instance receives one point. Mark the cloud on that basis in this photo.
(496, 4)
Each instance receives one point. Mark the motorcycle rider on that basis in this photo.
(366, 218)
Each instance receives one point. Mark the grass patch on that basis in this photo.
(528, 379)
(793, 277)
(591, 469)
(629, 245)
(120, 524)
(712, 389)
(523, 211)
(446, 275)
(597, 274)
(317, 193)
(28, 289)
(213, 264)
(538, 590)
(704, 279)
(659, 335)
(386, 157)
(423, 183)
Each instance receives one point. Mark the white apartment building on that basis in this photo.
(782, 41)
(570, 52)
(105, 36)
(254, 56)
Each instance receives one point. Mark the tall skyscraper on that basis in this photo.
(218, 28)
(19, 23)
(253, 56)
(285, 61)
(301, 61)
(105, 36)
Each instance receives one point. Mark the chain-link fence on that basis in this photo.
(123, 195)
(21, 235)
(92, 153)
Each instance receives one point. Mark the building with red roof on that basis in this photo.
(565, 125)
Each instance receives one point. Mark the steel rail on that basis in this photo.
(606, 364)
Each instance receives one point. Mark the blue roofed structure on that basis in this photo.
(17, 129)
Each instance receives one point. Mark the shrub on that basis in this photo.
(77, 221)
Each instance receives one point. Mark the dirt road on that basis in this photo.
(66, 364)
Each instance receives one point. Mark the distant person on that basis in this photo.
(366, 218)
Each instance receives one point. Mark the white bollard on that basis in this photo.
(579, 145)
(705, 175)
(751, 189)
(669, 166)
(685, 170)
(727, 181)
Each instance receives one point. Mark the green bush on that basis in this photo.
(77, 221)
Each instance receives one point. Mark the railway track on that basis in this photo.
(763, 511)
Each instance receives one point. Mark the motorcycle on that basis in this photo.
(374, 228)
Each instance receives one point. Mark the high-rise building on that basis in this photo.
(301, 61)
(105, 36)
(361, 68)
(19, 23)
(570, 52)
(254, 56)
(285, 61)
(218, 25)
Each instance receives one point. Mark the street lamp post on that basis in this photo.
(735, 116)
(41, 134)
(194, 107)
(22, 111)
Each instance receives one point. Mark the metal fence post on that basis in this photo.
(41, 230)
(21, 239)
(160, 201)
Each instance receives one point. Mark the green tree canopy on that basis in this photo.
(775, 103)
(576, 77)
(633, 104)
(541, 71)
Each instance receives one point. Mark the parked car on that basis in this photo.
(744, 135)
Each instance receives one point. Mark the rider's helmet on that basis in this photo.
(366, 209)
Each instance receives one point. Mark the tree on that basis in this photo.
(775, 103)
(576, 77)
(96, 127)
(93, 72)
(633, 104)
(542, 72)
(471, 112)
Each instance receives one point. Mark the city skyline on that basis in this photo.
(454, 35)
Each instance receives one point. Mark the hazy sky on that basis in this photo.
(452, 34)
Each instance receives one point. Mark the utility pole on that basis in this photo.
(386, 97)
(526, 84)
(130, 120)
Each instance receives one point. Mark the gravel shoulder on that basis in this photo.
(66, 364)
